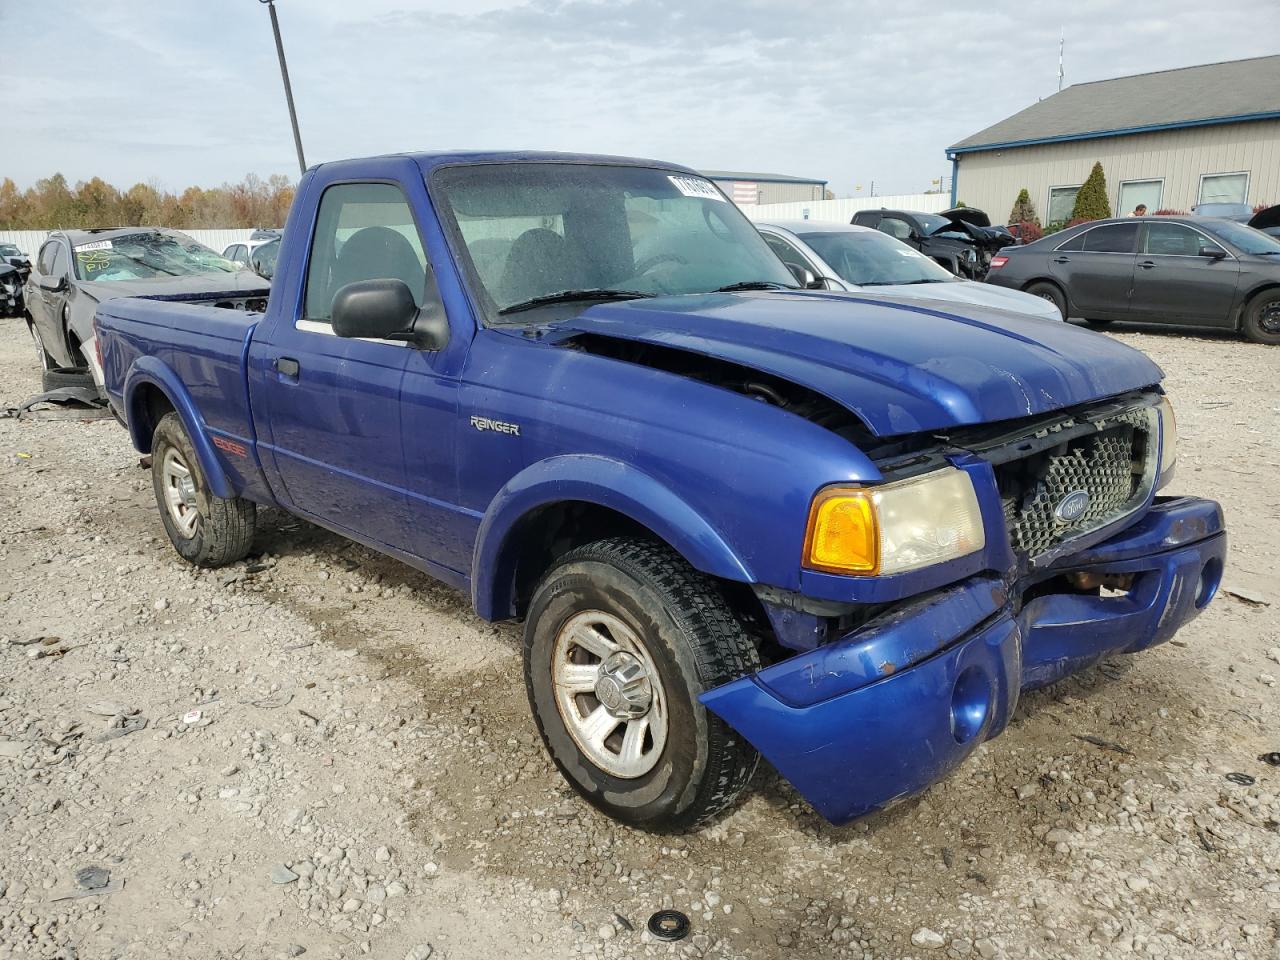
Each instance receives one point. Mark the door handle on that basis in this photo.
(286, 366)
(1147, 264)
(1061, 259)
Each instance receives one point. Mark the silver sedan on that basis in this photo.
(860, 259)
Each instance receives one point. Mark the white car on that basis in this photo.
(859, 259)
(240, 251)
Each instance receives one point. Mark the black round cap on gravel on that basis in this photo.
(669, 925)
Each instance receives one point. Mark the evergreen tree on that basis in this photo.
(1024, 211)
(1091, 201)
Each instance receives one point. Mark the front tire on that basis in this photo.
(621, 638)
(1262, 318)
(206, 530)
(1050, 292)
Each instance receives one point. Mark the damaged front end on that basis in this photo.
(874, 701)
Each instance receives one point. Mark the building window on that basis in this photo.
(1133, 193)
(1224, 188)
(1061, 201)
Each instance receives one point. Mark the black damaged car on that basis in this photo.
(962, 239)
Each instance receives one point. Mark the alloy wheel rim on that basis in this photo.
(180, 493)
(609, 694)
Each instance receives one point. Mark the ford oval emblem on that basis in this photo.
(1072, 507)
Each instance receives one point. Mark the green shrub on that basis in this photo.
(1091, 201)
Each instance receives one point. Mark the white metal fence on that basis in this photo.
(30, 241)
(842, 211)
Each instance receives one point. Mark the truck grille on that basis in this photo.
(1113, 467)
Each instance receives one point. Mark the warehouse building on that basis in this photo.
(746, 189)
(1170, 140)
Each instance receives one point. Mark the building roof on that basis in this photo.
(1233, 91)
(759, 177)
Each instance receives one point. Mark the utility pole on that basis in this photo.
(1061, 42)
(288, 89)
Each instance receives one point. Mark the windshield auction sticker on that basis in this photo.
(96, 245)
(694, 187)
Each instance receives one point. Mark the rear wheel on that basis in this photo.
(206, 530)
(1262, 318)
(621, 638)
(1047, 291)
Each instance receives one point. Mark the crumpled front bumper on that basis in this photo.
(897, 704)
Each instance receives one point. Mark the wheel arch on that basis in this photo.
(559, 503)
(152, 390)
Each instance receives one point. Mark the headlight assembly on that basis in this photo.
(870, 531)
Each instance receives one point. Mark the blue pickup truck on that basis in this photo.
(737, 517)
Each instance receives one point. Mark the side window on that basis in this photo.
(1112, 238)
(60, 263)
(364, 231)
(1075, 243)
(786, 252)
(895, 227)
(44, 263)
(1171, 240)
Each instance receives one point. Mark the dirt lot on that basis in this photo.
(362, 776)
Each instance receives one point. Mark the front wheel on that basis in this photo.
(206, 530)
(1050, 292)
(1262, 318)
(621, 638)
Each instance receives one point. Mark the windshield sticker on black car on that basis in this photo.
(694, 187)
(95, 245)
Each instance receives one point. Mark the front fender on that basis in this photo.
(598, 480)
(150, 370)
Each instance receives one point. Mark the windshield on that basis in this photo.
(9, 250)
(146, 256)
(872, 258)
(534, 229)
(1244, 238)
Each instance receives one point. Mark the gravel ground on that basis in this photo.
(337, 758)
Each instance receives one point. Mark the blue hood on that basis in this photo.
(901, 367)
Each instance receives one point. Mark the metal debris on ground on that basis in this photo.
(1243, 779)
(122, 727)
(670, 925)
(93, 877)
(1247, 595)
(1105, 744)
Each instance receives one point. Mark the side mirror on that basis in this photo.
(373, 308)
(1213, 253)
(53, 284)
(384, 309)
(804, 276)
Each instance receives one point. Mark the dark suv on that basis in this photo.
(962, 240)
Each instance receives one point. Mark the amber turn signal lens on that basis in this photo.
(842, 536)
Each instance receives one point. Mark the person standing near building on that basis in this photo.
(1139, 211)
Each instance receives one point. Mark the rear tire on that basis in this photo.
(630, 624)
(206, 530)
(1262, 318)
(1048, 291)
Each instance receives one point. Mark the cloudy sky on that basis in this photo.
(189, 92)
